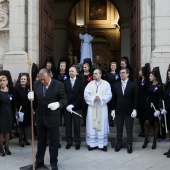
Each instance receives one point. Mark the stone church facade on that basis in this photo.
(35, 29)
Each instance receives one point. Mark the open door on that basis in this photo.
(46, 30)
(135, 37)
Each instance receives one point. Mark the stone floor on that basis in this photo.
(140, 159)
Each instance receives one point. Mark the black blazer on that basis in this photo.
(54, 93)
(75, 94)
(127, 102)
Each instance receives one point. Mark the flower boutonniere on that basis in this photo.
(142, 83)
(64, 77)
(10, 96)
(116, 76)
(89, 78)
(155, 89)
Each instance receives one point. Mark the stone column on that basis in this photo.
(16, 59)
(125, 37)
(60, 39)
(145, 18)
(33, 30)
(161, 34)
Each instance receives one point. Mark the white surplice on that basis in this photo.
(97, 137)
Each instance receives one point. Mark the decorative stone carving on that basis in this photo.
(4, 11)
(3, 19)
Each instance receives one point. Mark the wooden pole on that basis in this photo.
(32, 119)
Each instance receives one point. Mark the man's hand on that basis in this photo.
(53, 106)
(113, 114)
(31, 95)
(69, 108)
(134, 114)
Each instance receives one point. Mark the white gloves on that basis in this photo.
(69, 108)
(134, 113)
(163, 111)
(20, 116)
(31, 95)
(157, 113)
(113, 114)
(53, 106)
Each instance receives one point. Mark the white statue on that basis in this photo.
(86, 47)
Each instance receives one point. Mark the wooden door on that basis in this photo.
(46, 30)
(135, 37)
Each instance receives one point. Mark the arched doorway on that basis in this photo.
(55, 31)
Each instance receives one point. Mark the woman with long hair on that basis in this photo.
(22, 89)
(7, 110)
(153, 107)
(143, 90)
(167, 104)
(86, 77)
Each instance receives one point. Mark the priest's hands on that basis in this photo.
(134, 113)
(69, 108)
(156, 113)
(113, 114)
(53, 106)
(97, 98)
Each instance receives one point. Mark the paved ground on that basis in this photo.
(140, 159)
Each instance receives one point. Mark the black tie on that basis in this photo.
(44, 90)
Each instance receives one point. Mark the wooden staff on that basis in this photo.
(32, 120)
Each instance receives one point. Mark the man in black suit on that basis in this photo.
(49, 96)
(124, 106)
(74, 92)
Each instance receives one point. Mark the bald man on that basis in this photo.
(74, 93)
(49, 97)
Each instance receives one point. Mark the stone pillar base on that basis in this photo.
(16, 62)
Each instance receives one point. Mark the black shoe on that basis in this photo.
(154, 145)
(168, 156)
(21, 143)
(129, 150)
(68, 146)
(90, 149)
(7, 151)
(83, 124)
(145, 144)
(104, 149)
(118, 148)
(2, 153)
(77, 147)
(59, 145)
(141, 134)
(167, 153)
(54, 168)
(26, 142)
(36, 166)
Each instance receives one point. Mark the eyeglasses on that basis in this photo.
(122, 72)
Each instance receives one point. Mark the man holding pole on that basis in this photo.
(48, 96)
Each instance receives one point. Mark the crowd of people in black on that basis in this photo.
(63, 92)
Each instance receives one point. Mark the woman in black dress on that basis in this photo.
(22, 88)
(151, 116)
(7, 110)
(143, 90)
(86, 77)
(167, 104)
(111, 77)
(62, 75)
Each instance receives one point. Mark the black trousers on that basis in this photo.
(76, 120)
(120, 119)
(53, 134)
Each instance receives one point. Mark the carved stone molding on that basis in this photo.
(4, 14)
